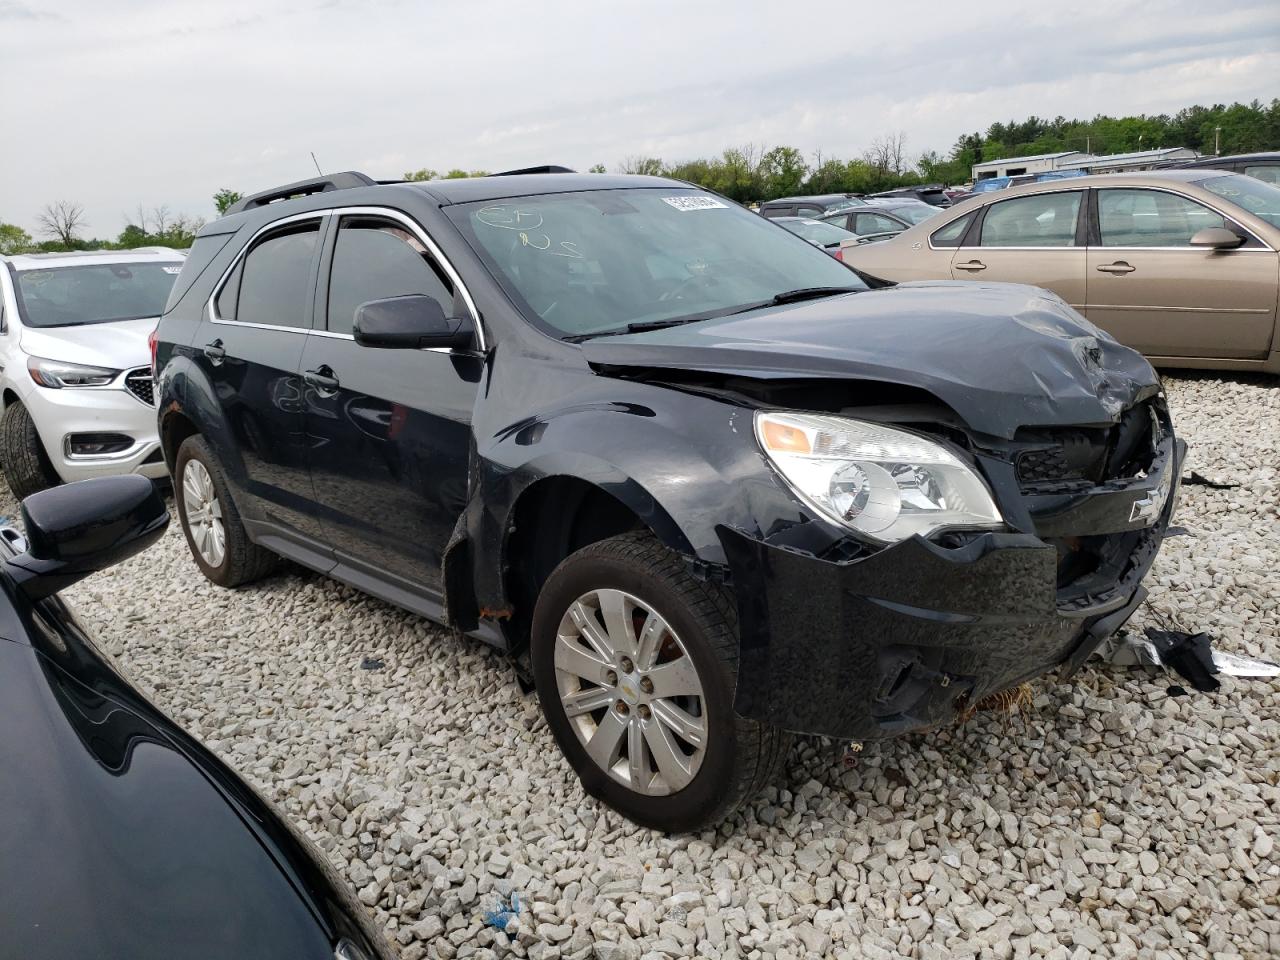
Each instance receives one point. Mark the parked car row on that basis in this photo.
(704, 485)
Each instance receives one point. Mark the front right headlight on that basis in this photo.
(883, 483)
(56, 374)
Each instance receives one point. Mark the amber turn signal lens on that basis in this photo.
(781, 438)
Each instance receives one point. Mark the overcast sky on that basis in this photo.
(116, 103)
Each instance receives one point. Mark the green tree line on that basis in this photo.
(754, 173)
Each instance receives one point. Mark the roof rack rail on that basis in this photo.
(546, 168)
(303, 188)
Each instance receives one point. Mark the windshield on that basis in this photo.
(595, 261)
(94, 293)
(815, 231)
(1259, 198)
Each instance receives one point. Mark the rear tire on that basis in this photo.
(677, 693)
(26, 466)
(219, 543)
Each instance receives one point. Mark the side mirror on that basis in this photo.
(81, 528)
(409, 323)
(1216, 238)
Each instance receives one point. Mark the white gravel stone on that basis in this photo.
(1111, 820)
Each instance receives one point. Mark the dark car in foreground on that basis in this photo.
(700, 483)
(120, 835)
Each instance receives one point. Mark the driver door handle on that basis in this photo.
(214, 352)
(1118, 267)
(973, 266)
(323, 380)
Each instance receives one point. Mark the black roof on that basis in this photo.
(514, 183)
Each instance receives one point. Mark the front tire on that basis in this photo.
(635, 663)
(26, 466)
(219, 543)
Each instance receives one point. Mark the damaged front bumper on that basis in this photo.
(910, 636)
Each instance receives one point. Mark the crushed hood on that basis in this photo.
(119, 345)
(1000, 355)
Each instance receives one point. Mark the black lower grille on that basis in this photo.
(139, 383)
(1086, 455)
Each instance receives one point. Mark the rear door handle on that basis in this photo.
(323, 380)
(1118, 267)
(214, 352)
(972, 265)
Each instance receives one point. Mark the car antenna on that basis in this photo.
(317, 163)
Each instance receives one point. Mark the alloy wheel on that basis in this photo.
(202, 512)
(631, 692)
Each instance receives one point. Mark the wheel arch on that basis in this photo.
(554, 517)
(175, 427)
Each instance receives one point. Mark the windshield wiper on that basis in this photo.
(789, 296)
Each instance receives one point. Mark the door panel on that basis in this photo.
(251, 364)
(1185, 303)
(390, 439)
(1031, 240)
(1152, 290)
(389, 451)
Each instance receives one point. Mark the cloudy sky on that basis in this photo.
(116, 103)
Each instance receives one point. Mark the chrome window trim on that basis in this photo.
(320, 216)
(363, 210)
(981, 208)
(1265, 248)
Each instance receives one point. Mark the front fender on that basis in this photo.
(683, 463)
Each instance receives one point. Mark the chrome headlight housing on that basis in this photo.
(882, 483)
(57, 374)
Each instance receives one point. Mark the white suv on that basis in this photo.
(75, 388)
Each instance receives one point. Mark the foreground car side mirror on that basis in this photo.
(1216, 238)
(81, 528)
(409, 323)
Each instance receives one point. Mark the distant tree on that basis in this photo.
(782, 170)
(61, 221)
(650, 166)
(888, 154)
(224, 198)
(426, 173)
(597, 168)
(13, 239)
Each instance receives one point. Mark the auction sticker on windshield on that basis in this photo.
(694, 203)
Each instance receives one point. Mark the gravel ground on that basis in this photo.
(1111, 819)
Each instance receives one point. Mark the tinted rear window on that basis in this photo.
(272, 284)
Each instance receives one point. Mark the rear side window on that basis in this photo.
(271, 284)
(952, 233)
(781, 210)
(1150, 218)
(198, 259)
(876, 223)
(1267, 172)
(374, 259)
(1041, 220)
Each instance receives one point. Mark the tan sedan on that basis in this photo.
(1180, 264)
